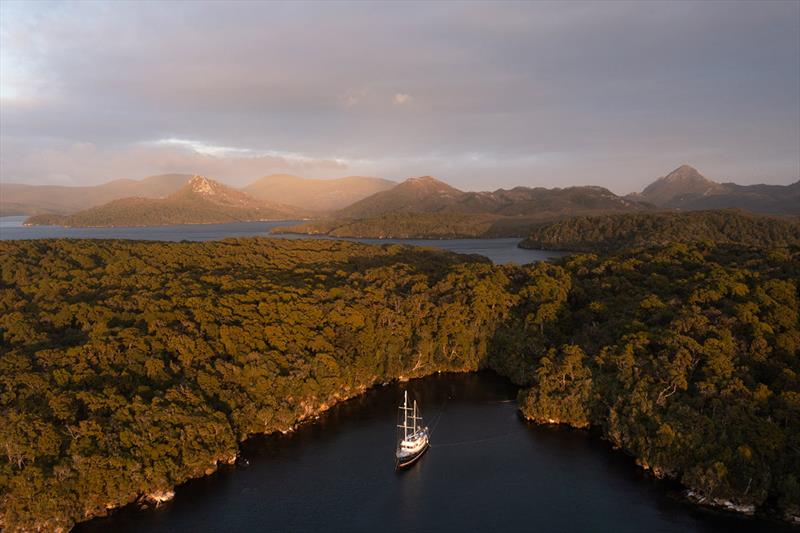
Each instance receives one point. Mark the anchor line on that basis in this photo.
(474, 441)
(439, 416)
(441, 411)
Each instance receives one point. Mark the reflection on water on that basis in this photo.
(487, 470)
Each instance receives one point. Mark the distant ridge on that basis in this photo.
(309, 195)
(686, 188)
(425, 207)
(21, 199)
(429, 195)
(200, 201)
(361, 198)
(318, 195)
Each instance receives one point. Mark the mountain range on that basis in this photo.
(429, 195)
(428, 208)
(199, 201)
(380, 206)
(309, 195)
(21, 199)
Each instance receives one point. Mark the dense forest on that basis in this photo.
(597, 232)
(398, 226)
(129, 367)
(420, 226)
(685, 356)
(617, 231)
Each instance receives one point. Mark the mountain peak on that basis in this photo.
(418, 194)
(203, 189)
(685, 173)
(203, 185)
(423, 180)
(682, 183)
(427, 183)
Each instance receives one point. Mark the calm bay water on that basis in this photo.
(487, 470)
(498, 250)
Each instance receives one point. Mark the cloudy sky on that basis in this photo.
(480, 95)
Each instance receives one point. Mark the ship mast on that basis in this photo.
(405, 415)
(415, 418)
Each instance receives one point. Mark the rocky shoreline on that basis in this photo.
(721, 504)
(311, 411)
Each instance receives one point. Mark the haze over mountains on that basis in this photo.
(199, 201)
(310, 195)
(164, 200)
(20, 199)
(318, 195)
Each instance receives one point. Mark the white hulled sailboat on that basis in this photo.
(413, 441)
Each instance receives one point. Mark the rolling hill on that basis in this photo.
(414, 195)
(318, 195)
(20, 199)
(686, 188)
(199, 201)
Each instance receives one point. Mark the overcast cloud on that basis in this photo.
(480, 95)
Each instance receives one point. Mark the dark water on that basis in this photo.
(487, 470)
(11, 228)
(498, 250)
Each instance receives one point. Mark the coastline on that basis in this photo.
(312, 409)
(689, 494)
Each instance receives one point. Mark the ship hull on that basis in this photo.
(411, 459)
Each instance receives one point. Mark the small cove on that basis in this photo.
(487, 470)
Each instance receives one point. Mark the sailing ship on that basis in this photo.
(414, 439)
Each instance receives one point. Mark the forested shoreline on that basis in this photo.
(127, 368)
(130, 367)
(685, 356)
(419, 226)
(595, 232)
(603, 233)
